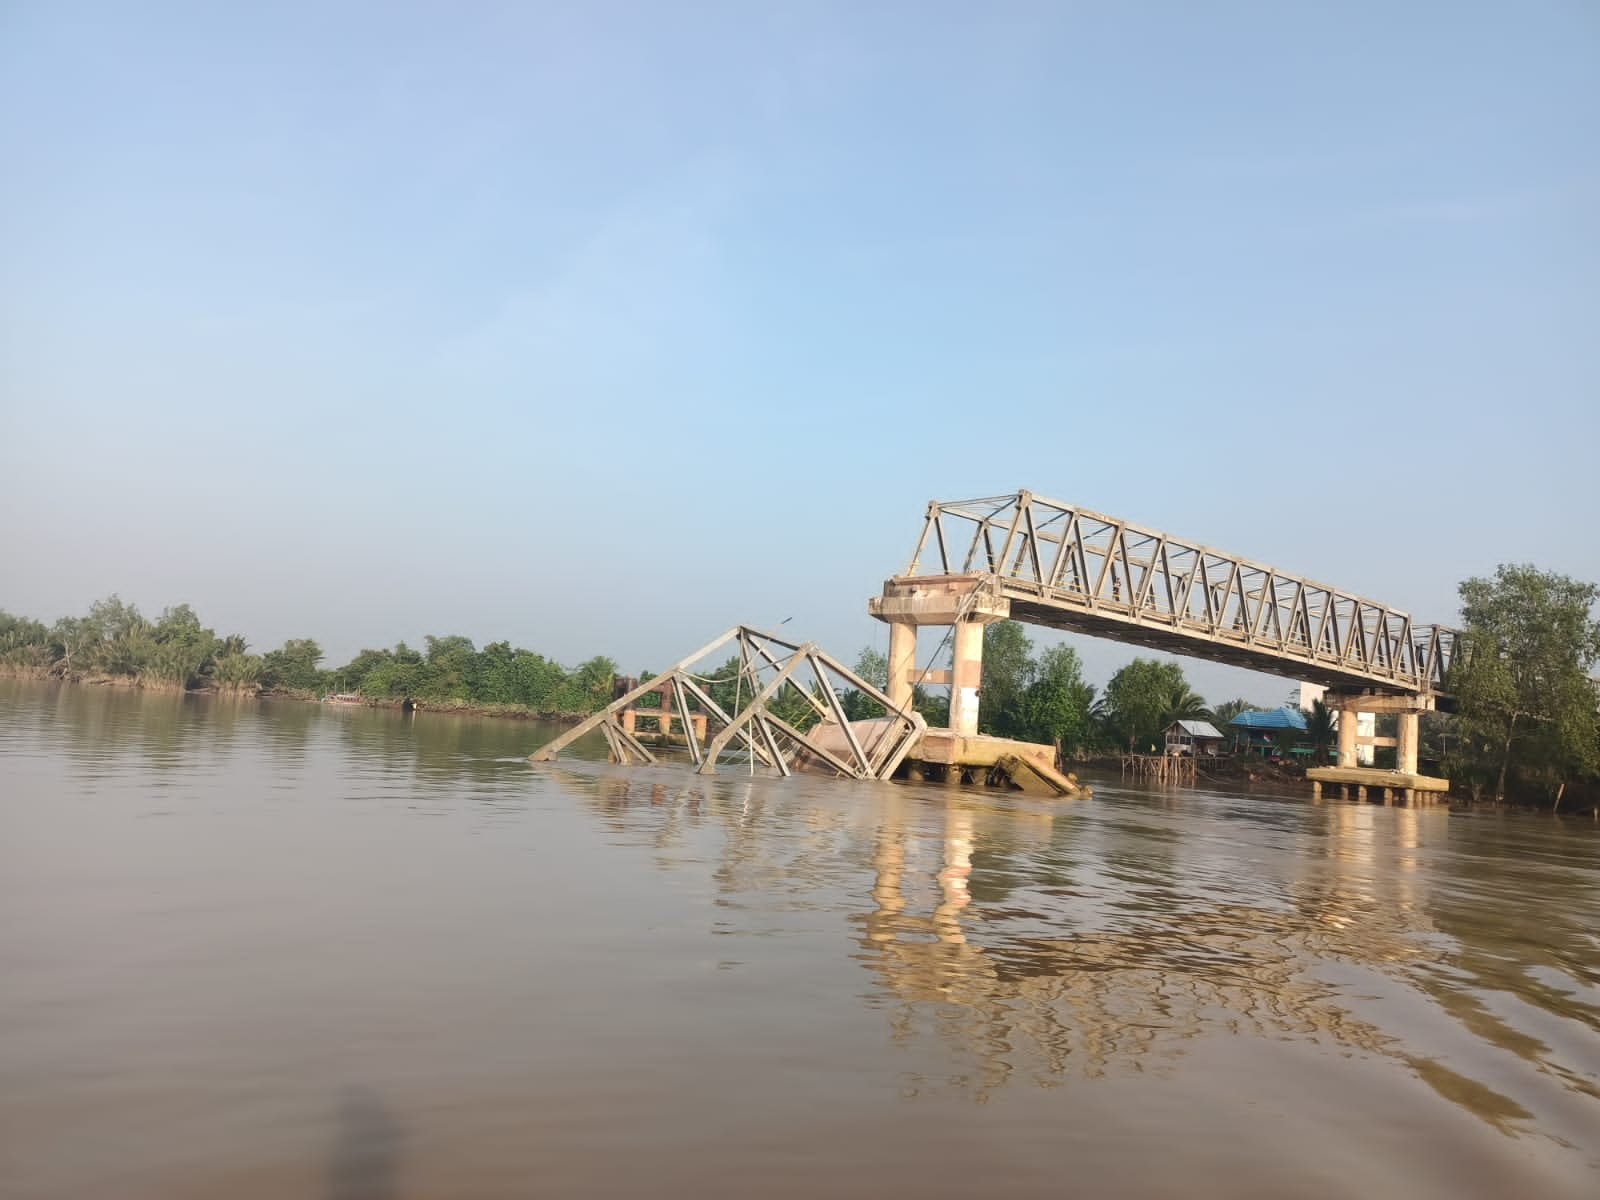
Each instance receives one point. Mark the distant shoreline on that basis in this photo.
(460, 708)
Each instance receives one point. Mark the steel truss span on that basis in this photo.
(769, 668)
(1072, 569)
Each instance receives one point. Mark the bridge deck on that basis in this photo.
(1071, 569)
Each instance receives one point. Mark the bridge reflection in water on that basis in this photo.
(1086, 990)
(1011, 944)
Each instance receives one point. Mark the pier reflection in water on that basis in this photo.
(1036, 942)
(275, 950)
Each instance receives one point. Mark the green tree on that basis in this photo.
(19, 632)
(111, 619)
(494, 672)
(293, 666)
(1521, 677)
(25, 643)
(724, 686)
(796, 707)
(1223, 714)
(352, 677)
(69, 641)
(399, 674)
(1320, 730)
(114, 639)
(589, 687)
(1184, 704)
(1008, 671)
(453, 668)
(129, 649)
(934, 707)
(1141, 699)
(873, 666)
(536, 681)
(1057, 704)
(236, 671)
(184, 648)
(234, 643)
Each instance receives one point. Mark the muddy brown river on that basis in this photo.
(269, 950)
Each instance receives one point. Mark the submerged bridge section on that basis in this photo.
(1048, 563)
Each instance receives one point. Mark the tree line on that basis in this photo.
(175, 651)
(1046, 698)
(1526, 725)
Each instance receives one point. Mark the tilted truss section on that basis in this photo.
(1073, 569)
(775, 688)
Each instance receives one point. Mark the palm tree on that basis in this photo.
(1319, 729)
(1223, 714)
(1184, 704)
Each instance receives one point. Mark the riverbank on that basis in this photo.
(1236, 770)
(123, 682)
(1231, 769)
(454, 708)
(457, 708)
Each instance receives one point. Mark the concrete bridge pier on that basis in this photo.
(962, 601)
(1407, 710)
(902, 662)
(966, 672)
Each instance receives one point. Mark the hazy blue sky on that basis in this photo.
(602, 326)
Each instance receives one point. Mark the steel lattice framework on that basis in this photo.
(769, 666)
(1072, 569)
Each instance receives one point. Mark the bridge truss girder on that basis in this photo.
(1072, 569)
(769, 668)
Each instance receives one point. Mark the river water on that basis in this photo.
(278, 950)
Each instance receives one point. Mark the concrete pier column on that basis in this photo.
(1405, 750)
(967, 602)
(1347, 737)
(966, 676)
(902, 661)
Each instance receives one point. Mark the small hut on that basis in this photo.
(1193, 739)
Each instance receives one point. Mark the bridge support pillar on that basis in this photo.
(902, 661)
(1407, 710)
(1405, 751)
(966, 676)
(1347, 737)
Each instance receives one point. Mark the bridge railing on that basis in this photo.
(1074, 560)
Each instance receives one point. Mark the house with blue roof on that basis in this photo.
(1259, 731)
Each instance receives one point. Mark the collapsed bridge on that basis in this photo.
(1047, 563)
